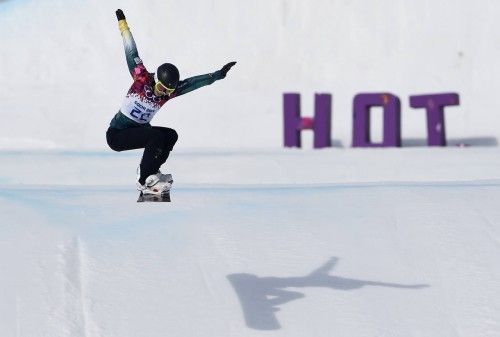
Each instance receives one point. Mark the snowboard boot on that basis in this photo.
(156, 184)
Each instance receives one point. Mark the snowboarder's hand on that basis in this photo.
(119, 15)
(226, 68)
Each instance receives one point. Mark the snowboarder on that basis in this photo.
(130, 128)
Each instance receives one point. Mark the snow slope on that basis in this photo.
(320, 255)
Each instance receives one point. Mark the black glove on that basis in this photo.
(120, 15)
(226, 68)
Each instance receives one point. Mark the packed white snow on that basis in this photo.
(402, 242)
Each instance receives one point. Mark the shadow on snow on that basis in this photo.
(261, 296)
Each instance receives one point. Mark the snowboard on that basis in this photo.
(154, 198)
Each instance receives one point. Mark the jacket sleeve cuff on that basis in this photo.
(218, 75)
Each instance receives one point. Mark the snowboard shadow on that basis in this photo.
(260, 297)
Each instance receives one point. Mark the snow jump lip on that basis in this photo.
(253, 187)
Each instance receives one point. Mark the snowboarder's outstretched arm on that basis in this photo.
(131, 54)
(196, 82)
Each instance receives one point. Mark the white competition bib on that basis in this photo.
(138, 110)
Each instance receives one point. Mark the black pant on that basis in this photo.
(156, 141)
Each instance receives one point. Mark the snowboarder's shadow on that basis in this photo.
(260, 297)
